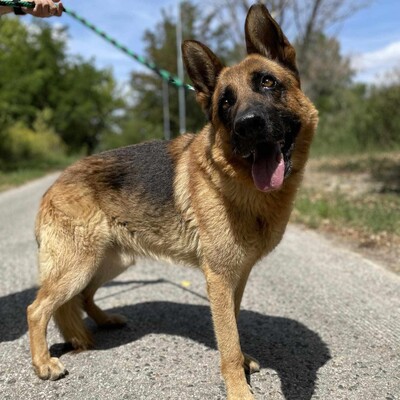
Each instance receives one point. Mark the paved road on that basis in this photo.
(324, 323)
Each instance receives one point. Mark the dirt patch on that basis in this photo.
(383, 248)
(359, 178)
(357, 175)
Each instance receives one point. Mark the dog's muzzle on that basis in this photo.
(250, 125)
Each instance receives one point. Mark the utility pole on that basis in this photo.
(181, 90)
(167, 128)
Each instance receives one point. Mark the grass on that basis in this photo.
(12, 177)
(364, 162)
(357, 201)
(371, 213)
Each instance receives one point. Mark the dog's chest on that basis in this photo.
(262, 226)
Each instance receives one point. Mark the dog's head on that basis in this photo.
(256, 107)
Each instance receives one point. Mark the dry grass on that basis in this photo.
(357, 199)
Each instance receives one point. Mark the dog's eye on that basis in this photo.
(268, 82)
(227, 102)
(227, 99)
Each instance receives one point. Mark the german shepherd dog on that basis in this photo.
(218, 200)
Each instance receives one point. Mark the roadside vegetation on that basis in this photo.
(361, 192)
(55, 107)
(357, 199)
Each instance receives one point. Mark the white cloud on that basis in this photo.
(378, 63)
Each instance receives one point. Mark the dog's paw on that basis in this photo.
(52, 369)
(240, 396)
(251, 365)
(239, 390)
(113, 321)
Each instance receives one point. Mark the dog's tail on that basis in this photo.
(69, 321)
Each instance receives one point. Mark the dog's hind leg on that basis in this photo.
(68, 318)
(67, 263)
(112, 265)
(58, 296)
(102, 318)
(39, 314)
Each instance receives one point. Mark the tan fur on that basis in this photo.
(88, 233)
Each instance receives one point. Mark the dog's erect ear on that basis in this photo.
(203, 67)
(265, 37)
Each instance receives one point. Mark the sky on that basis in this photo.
(371, 37)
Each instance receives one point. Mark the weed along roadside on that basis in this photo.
(10, 178)
(356, 199)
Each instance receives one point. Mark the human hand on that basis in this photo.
(45, 8)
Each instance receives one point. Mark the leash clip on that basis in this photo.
(17, 8)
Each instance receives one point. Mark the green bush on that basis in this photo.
(24, 147)
(359, 119)
(133, 130)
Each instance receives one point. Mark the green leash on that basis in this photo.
(164, 74)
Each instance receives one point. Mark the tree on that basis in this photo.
(36, 75)
(160, 48)
(301, 18)
(85, 105)
(231, 14)
(328, 73)
(380, 129)
(18, 81)
(306, 23)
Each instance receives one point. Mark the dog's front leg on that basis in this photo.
(221, 292)
(251, 365)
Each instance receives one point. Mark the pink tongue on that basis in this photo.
(268, 169)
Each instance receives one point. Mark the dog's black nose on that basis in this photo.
(249, 124)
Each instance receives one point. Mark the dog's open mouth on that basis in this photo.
(268, 168)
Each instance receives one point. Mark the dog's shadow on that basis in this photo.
(294, 351)
(291, 349)
(13, 314)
